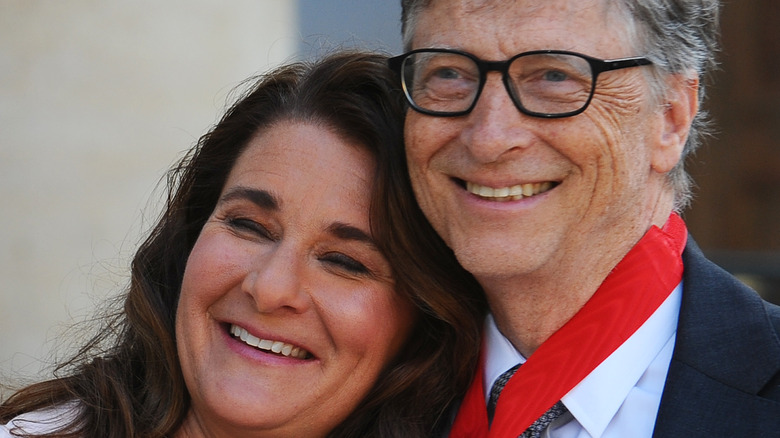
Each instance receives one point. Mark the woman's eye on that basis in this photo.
(345, 262)
(249, 226)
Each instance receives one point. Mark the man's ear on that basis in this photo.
(680, 106)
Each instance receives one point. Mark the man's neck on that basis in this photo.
(529, 308)
(528, 312)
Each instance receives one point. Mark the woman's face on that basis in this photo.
(288, 312)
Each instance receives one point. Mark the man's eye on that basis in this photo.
(446, 73)
(344, 262)
(555, 76)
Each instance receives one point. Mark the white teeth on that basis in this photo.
(516, 190)
(512, 193)
(246, 337)
(268, 345)
(485, 191)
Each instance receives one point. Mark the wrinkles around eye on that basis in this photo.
(345, 262)
(248, 226)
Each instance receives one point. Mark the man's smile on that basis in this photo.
(511, 193)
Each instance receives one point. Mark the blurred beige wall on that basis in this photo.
(97, 100)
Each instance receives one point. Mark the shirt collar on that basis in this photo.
(500, 355)
(598, 397)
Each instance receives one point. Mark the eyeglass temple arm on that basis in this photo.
(617, 64)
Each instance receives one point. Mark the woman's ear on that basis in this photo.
(680, 106)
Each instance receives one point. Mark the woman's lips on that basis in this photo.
(273, 346)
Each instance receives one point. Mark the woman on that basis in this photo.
(290, 227)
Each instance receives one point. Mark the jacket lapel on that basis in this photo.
(724, 378)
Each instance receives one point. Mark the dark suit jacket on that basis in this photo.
(724, 378)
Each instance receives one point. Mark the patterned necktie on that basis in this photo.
(496, 389)
(534, 430)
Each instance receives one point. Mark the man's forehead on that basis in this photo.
(529, 6)
(541, 24)
(561, 9)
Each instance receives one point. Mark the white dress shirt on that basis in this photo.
(620, 397)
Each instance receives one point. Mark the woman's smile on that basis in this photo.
(268, 345)
(288, 309)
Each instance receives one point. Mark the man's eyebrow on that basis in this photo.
(348, 232)
(262, 198)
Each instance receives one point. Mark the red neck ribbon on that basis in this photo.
(637, 286)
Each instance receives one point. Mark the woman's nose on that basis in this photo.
(276, 282)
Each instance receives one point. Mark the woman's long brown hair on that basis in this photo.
(134, 387)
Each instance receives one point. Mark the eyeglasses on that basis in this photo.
(541, 83)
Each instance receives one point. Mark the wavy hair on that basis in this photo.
(134, 387)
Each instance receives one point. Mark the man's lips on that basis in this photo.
(511, 193)
(272, 346)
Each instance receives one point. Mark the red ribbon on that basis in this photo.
(629, 295)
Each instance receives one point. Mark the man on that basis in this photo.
(556, 178)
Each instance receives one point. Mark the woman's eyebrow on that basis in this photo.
(349, 232)
(266, 200)
(262, 198)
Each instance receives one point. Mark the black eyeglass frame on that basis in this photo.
(597, 66)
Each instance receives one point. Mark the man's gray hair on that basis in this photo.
(679, 36)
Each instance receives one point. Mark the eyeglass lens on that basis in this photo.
(540, 83)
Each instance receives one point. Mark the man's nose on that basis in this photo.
(495, 125)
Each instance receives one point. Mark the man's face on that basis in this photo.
(595, 180)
